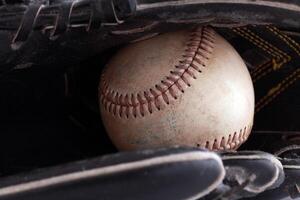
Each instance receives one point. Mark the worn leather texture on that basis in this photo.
(64, 32)
(146, 175)
(186, 88)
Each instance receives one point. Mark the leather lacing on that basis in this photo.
(55, 19)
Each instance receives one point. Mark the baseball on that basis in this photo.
(188, 88)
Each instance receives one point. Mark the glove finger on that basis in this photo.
(290, 188)
(161, 174)
(248, 173)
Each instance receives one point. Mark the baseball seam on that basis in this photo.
(232, 142)
(198, 51)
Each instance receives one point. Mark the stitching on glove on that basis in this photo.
(197, 53)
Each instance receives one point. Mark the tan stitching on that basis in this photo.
(279, 58)
(289, 41)
(261, 67)
(278, 89)
(272, 66)
(197, 53)
(266, 46)
(264, 73)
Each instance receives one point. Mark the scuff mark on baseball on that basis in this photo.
(188, 88)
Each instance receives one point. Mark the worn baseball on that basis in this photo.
(188, 88)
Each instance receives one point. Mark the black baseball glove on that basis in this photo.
(50, 53)
(51, 32)
(176, 173)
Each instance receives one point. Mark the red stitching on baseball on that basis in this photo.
(232, 142)
(197, 53)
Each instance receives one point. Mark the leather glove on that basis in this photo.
(290, 188)
(48, 32)
(175, 173)
(31, 30)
